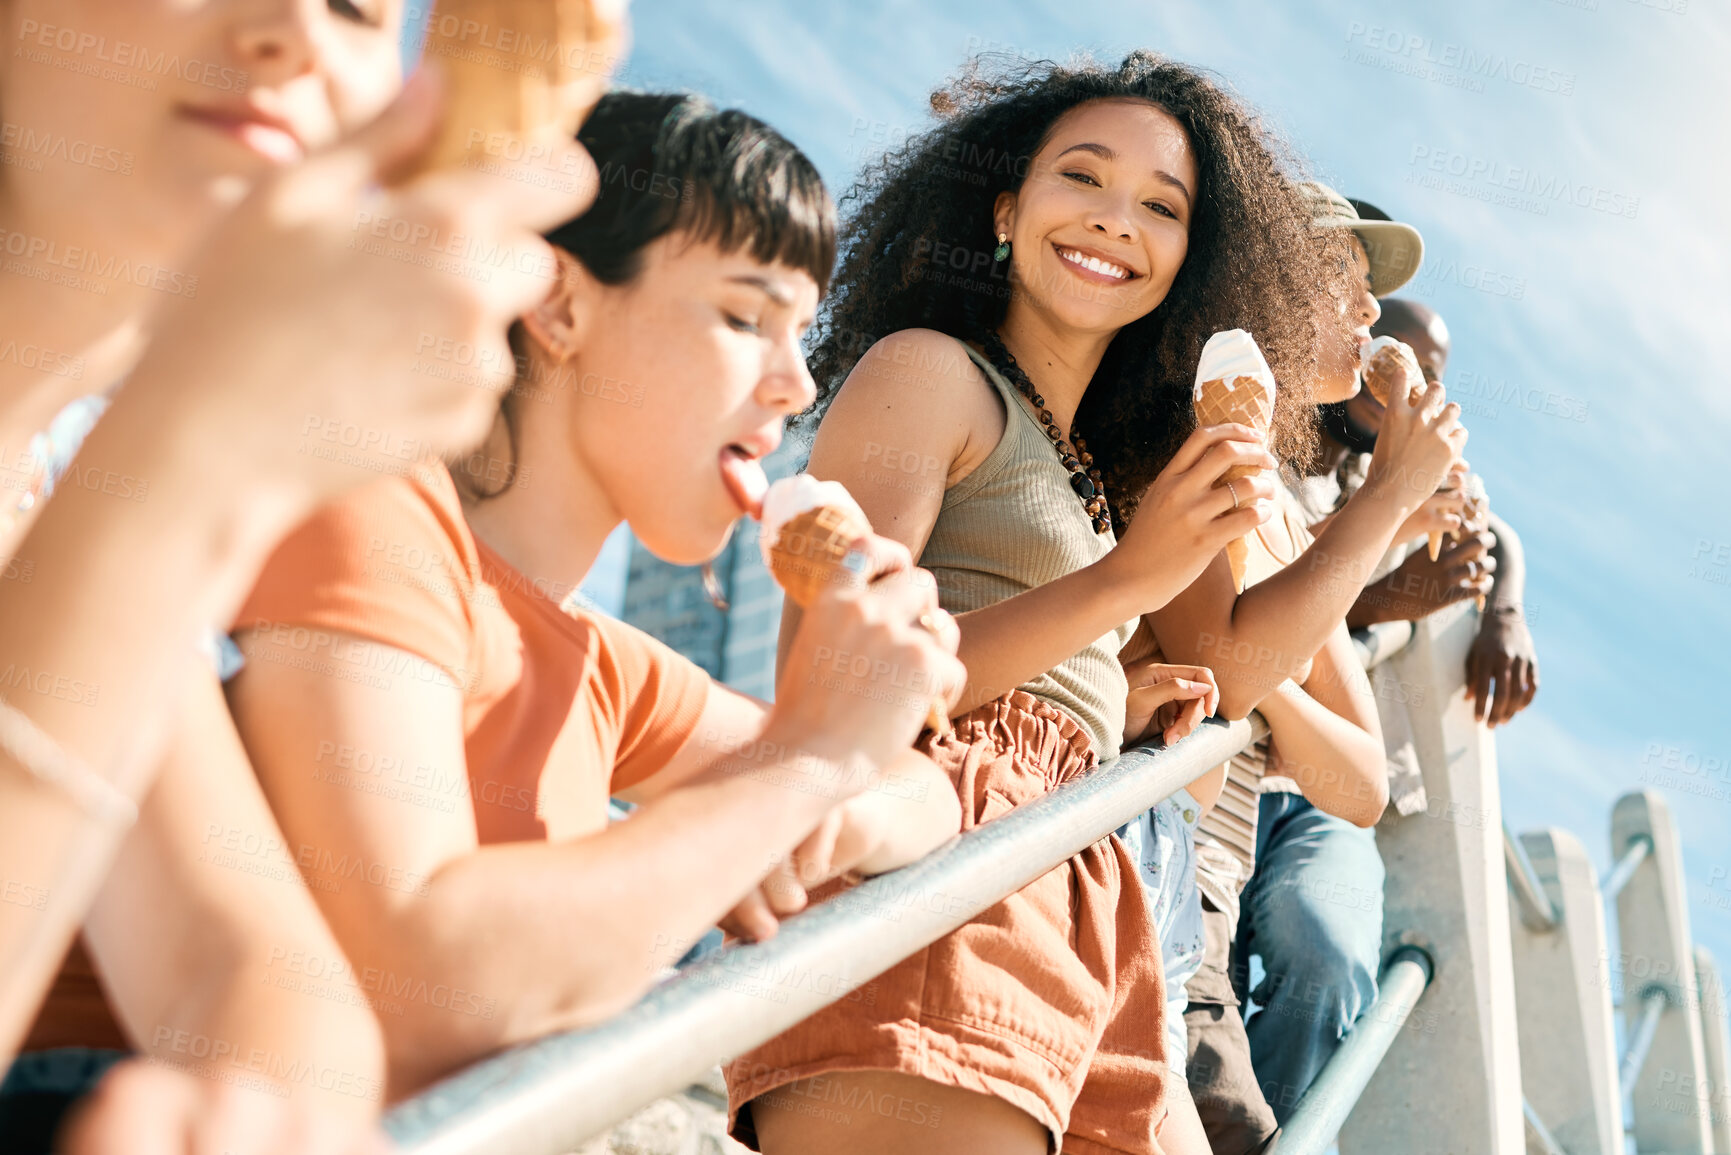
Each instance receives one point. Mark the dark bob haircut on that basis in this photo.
(671, 162)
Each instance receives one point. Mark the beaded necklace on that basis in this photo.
(1084, 477)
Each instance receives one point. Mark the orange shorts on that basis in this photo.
(1052, 1000)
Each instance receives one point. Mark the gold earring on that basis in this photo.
(1002, 252)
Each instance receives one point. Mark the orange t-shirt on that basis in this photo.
(561, 708)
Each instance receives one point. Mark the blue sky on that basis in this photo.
(1567, 164)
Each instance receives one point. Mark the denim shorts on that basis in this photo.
(1162, 840)
(40, 1089)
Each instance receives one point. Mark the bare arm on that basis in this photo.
(1509, 590)
(212, 422)
(905, 812)
(1419, 587)
(1503, 664)
(593, 917)
(113, 658)
(209, 943)
(1326, 736)
(898, 439)
(1257, 639)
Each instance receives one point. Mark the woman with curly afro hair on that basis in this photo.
(1004, 376)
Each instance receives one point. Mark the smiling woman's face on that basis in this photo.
(192, 99)
(1101, 225)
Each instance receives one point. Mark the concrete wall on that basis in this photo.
(1667, 1104)
(1451, 1084)
(1563, 999)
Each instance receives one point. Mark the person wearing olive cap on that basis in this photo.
(1324, 746)
(1502, 666)
(1313, 908)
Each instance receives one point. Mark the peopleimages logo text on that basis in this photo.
(1461, 58)
(1542, 186)
(124, 54)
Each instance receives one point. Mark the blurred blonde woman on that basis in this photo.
(160, 227)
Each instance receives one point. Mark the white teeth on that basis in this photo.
(1095, 264)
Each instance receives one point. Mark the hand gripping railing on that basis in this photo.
(546, 1096)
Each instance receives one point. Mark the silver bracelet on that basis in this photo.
(48, 762)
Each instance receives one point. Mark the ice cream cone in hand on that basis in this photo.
(813, 549)
(1381, 365)
(1435, 537)
(1234, 384)
(519, 72)
(812, 535)
(1382, 362)
(1478, 513)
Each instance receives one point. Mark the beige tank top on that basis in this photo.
(1012, 524)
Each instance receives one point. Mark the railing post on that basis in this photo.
(1452, 1080)
(1668, 1107)
(1563, 1003)
(545, 1096)
(1716, 1047)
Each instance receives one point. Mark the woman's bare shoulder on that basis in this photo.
(921, 387)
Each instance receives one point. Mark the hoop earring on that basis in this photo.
(1002, 252)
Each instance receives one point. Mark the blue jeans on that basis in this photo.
(1313, 911)
(40, 1089)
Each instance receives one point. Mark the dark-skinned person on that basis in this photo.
(1043, 385)
(1295, 812)
(1502, 666)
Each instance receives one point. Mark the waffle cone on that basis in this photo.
(1250, 403)
(1238, 557)
(531, 69)
(1436, 536)
(1384, 363)
(809, 556)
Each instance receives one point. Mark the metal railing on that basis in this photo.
(544, 1097)
(548, 1096)
(1537, 910)
(1540, 1134)
(1335, 1091)
(1624, 869)
(1653, 1004)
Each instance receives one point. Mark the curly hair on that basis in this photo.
(1254, 261)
